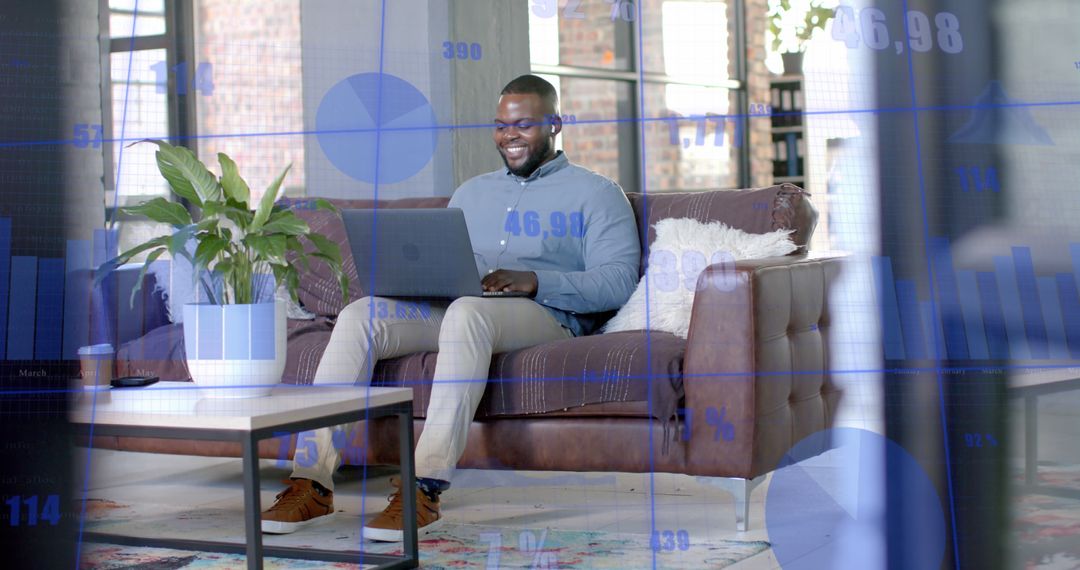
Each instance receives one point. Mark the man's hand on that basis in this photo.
(507, 280)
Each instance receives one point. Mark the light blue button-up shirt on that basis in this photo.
(571, 226)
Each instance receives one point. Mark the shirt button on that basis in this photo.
(522, 182)
(543, 300)
(509, 209)
(502, 242)
(491, 271)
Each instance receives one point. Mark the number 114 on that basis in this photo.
(50, 511)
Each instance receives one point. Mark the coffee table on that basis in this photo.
(1030, 384)
(155, 412)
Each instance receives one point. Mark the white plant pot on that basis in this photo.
(235, 351)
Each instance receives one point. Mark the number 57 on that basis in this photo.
(82, 136)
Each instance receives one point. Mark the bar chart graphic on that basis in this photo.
(1007, 313)
(45, 311)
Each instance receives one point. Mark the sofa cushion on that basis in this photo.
(756, 211)
(563, 375)
(543, 378)
(683, 248)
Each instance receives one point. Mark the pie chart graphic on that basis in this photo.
(371, 114)
(825, 506)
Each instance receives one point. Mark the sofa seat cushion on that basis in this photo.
(562, 375)
(544, 378)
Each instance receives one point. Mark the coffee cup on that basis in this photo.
(96, 364)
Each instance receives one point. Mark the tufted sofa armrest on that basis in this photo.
(757, 352)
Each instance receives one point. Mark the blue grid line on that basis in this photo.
(645, 253)
(116, 196)
(406, 486)
(845, 112)
(733, 375)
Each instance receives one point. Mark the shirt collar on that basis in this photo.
(554, 165)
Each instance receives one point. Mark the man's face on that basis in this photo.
(522, 135)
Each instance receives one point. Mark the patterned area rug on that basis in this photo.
(463, 546)
(451, 546)
(1047, 528)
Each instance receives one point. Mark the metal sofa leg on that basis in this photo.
(740, 489)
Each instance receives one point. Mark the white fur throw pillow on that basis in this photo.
(683, 248)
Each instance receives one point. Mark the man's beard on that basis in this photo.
(531, 163)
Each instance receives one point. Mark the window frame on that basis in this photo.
(637, 78)
(181, 112)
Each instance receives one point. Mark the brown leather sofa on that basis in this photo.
(751, 379)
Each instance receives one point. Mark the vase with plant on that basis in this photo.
(235, 343)
(792, 23)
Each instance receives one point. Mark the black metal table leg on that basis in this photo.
(252, 509)
(1031, 438)
(408, 483)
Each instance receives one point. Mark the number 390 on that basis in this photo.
(664, 270)
(462, 50)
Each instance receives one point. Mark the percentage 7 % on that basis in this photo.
(529, 544)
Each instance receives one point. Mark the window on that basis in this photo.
(692, 83)
(181, 68)
(140, 101)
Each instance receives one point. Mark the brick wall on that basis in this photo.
(254, 47)
(761, 148)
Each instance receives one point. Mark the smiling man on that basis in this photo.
(563, 234)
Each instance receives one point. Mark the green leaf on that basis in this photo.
(161, 210)
(285, 222)
(190, 168)
(266, 204)
(178, 241)
(142, 273)
(231, 182)
(180, 185)
(292, 243)
(326, 247)
(324, 204)
(209, 248)
(207, 225)
(292, 281)
(240, 216)
(343, 280)
(110, 265)
(271, 248)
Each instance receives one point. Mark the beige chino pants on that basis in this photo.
(466, 333)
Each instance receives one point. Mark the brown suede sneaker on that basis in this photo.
(297, 507)
(388, 525)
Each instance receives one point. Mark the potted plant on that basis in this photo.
(792, 27)
(235, 344)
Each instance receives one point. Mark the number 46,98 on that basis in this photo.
(875, 32)
(50, 511)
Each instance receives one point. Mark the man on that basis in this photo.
(563, 234)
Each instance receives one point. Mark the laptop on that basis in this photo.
(418, 252)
